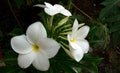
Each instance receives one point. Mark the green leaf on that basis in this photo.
(9, 69)
(91, 63)
(77, 69)
(21, 71)
(92, 68)
(107, 2)
(111, 6)
(89, 59)
(67, 51)
(16, 31)
(19, 3)
(65, 27)
(10, 57)
(113, 18)
(116, 38)
(115, 27)
(61, 22)
(66, 68)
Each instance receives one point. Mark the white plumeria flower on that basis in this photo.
(77, 43)
(54, 9)
(35, 48)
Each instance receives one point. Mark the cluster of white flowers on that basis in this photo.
(36, 49)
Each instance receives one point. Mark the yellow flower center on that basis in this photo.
(36, 48)
(72, 40)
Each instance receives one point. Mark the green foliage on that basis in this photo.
(10, 60)
(111, 7)
(110, 16)
(61, 22)
(98, 35)
(115, 18)
(16, 31)
(91, 63)
(19, 3)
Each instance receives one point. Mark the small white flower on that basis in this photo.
(35, 48)
(54, 9)
(77, 43)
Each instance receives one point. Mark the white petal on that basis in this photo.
(40, 5)
(25, 60)
(82, 32)
(75, 27)
(77, 53)
(66, 12)
(35, 32)
(59, 7)
(62, 10)
(20, 44)
(68, 37)
(51, 11)
(50, 46)
(84, 45)
(41, 62)
(74, 45)
(48, 5)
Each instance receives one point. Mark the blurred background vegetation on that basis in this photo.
(103, 16)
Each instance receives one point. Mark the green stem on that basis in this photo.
(51, 21)
(69, 5)
(51, 25)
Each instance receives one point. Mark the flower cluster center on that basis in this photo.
(72, 40)
(36, 48)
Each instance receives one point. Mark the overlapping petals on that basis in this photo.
(25, 60)
(77, 43)
(54, 9)
(35, 32)
(20, 44)
(52, 48)
(76, 53)
(35, 48)
(41, 62)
